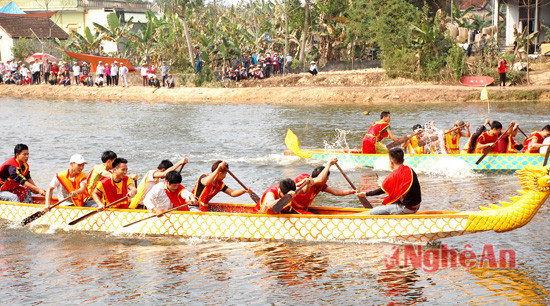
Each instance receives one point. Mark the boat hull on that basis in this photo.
(340, 224)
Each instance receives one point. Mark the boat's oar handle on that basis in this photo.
(363, 200)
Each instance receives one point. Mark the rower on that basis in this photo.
(317, 182)
(470, 145)
(452, 139)
(168, 194)
(100, 171)
(119, 185)
(16, 184)
(152, 178)
(488, 138)
(70, 182)
(402, 187)
(378, 131)
(412, 146)
(535, 142)
(508, 144)
(273, 194)
(208, 185)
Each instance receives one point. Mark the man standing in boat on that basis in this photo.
(168, 194)
(100, 171)
(536, 140)
(378, 131)
(452, 139)
(16, 184)
(71, 182)
(116, 187)
(402, 187)
(208, 185)
(152, 178)
(273, 194)
(316, 182)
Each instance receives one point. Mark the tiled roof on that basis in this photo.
(18, 26)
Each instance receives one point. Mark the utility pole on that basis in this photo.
(286, 37)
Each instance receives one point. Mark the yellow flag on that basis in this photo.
(484, 94)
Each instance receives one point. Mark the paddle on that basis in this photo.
(283, 202)
(171, 209)
(519, 129)
(96, 211)
(363, 200)
(490, 148)
(398, 141)
(546, 157)
(253, 195)
(423, 142)
(40, 213)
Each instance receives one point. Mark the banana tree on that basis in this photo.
(115, 30)
(89, 42)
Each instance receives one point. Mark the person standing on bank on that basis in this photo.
(402, 187)
(502, 66)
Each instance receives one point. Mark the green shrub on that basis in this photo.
(23, 47)
(456, 62)
(400, 64)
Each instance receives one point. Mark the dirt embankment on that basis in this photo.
(364, 87)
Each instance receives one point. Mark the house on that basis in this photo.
(529, 15)
(76, 15)
(14, 27)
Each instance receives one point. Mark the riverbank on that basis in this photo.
(363, 87)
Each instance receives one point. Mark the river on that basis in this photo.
(41, 265)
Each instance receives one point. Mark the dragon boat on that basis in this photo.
(237, 221)
(492, 163)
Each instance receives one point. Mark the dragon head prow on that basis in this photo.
(535, 178)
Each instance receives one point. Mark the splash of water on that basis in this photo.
(445, 166)
(339, 147)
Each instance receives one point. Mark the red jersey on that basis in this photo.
(303, 200)
(377, 132)
(535, 137)
(485, 138)
(397, 184)
(176, 199)
(274, 191)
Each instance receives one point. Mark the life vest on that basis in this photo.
(413, 147)
(452, 143)
(397, 184)
(90, 186)
(207, 193)
(71, 186)
(511, 147)
(274, 190)
(378, 130)
(535, 137)
(140, 195)
(7, 183)
(484, 139)
(176, 199)
(302, 201)
(112, 193)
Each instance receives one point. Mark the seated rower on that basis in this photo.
(152, 178)
(70, 182)
(452, 139)
(116, 187)
(402, 187)
(317, 182)
(208, 185)
(546, 146)
(470, 145)
(508, 144)
(273, 194)
(16, 184)
(489, 138)
(412, 146)
(100, 171)
(378, 131)
(168, 194)
(535, 142)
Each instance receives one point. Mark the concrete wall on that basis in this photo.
(6, 43)
(512, 18)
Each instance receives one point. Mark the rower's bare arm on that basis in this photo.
(96, 195)
(105, 173)
(390, 133)
(339, 192)
(209, 179)
(49, 197)
(35, 189)
(322, 178)
(133, 190)
(82, 188)
(159, 174)
(467, 133)
(235, 193)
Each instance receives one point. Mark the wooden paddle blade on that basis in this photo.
(254, 197)
(282, 203)
(32, 217)
(397, 142)
(138, 221)
(423, 142)
(83, 217)
(365, 202)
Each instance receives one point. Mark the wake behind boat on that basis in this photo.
(237, 221)
(492, 163)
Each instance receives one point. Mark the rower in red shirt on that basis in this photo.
(273, 194)
(378, 131)
(111, 189)
(317, 182)
(488, 138)
(508, 144)
(16, 184)
(536, 139)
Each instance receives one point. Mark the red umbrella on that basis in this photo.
(40, 56)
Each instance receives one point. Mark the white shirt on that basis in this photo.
(143, 71)
(100, 69)
(76, 70)
(61, 192)
(123, 70)
(35, 67)
(158, 198)
(114, 70)
(543, 149)
(24, 72)
(150, 182)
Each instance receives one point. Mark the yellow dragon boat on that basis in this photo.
(236, 221)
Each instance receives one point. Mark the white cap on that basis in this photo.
(77, 158)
